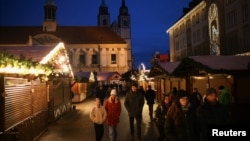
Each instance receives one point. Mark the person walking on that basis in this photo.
(195, 99)
(150, 98)
(134, 102)
(98, 116)
(141, 89)
(173, 93)
(180, 124)
(161, 115)
(224, 95)
(100, 93)
(113, 108)
(211, 113)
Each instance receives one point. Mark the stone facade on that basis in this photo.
(209, 27)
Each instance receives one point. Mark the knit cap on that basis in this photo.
(181, 93)
(210, 91)
(135, 84)
(113, 92)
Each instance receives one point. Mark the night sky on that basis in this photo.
(149, 19)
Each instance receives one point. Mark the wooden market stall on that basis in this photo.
(82, 87)
(35, 89)
(24, 108)
(206, 71)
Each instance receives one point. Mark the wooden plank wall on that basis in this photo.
(24, 116)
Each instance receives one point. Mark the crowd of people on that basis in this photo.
(188, 117)
(178, 117)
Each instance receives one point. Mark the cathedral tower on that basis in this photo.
(121, 26)
(124, 21)
(124, 29)
(103, 17)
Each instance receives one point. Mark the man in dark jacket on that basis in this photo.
(195, 99)
(134, 101)
(150, 97)
(100, 93)
(211, 114)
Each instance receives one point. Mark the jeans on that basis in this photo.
(112, 133)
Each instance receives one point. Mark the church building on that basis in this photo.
(102, 48)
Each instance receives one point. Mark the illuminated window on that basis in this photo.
(113, 58)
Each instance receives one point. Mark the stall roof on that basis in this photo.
(104, 76)
(224, 62)
(101, 76)
(37, 53)
(194, 64)
(169, 66)
(40, 53)
(162, 68)
(83, 74)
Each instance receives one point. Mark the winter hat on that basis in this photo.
(210, 91)
(181, 93)
(113, 92)
(135, 84)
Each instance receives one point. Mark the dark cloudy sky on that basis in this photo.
(149, 19)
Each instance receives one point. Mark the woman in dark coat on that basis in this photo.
(161, 114)
(180, 123)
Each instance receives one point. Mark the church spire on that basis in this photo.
(124, 29)
(103, 2)
(103, 17)
(103, 9)
(123, 9)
